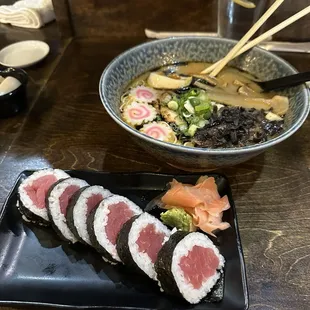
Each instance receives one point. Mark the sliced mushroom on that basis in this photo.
(203, 86)
(279, 104)
(159, 81)
(229, 88)
(206, 78)
(249, 92)
(238, 83)
(188, 68)
(221, 88)
(231, 76)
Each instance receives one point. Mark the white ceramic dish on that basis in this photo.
(23, 54)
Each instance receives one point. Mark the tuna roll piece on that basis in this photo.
(32, 194)
(57, 200)
(80, 206)
(139, 242)
(189, 264)
(105, 222)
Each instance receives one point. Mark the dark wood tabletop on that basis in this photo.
(67, 127)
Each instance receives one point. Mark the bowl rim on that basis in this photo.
(197, 150)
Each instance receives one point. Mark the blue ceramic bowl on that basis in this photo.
(144, 57)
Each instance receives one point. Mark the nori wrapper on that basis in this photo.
(122, 246)
(33, 218)
(69, 216)
(58, 232)
(93, 238)
(166, 278)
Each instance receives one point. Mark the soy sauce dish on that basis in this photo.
(13, 89)
(157, 93)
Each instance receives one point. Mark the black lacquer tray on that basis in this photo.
(36, 268)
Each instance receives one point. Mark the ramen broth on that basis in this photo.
(178, 104)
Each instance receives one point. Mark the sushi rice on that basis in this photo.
(142, 259)
(182, 249)
(27, 202)
(101, 220)
(56, 216)
(128, 236)
(80, 211)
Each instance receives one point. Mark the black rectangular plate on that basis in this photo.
(36, 268)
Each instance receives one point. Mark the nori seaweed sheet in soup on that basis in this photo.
(178, 104)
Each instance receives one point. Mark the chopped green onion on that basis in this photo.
(202, 123)
(194, 101)
(192, 130)
(183, 127)
(195, 120)
(189, 107)
(173, 105)
(203, 107)
(203, 96)
(175, 98)
(179, 120)
(194, 92)
(187, 115)
(207, 115)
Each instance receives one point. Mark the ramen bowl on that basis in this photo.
(142, 58)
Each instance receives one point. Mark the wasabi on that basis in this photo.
(178, 218)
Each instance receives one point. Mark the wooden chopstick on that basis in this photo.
(152, 34)
(245, 39)
(245, 3)
(275, 29)
(161, 35)
(265, 35)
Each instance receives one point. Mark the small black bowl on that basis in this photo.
(16, 101)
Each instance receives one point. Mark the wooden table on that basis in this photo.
(67, 127)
